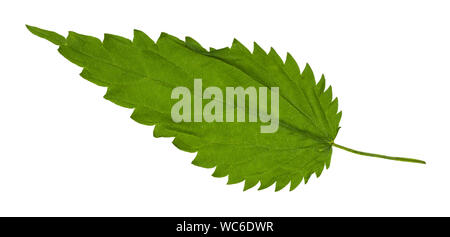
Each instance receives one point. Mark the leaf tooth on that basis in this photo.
(281, 183)
(334, 106)
(146, 116)
(290, 60)
(266, 182)
(274, 55)
(319, 171)
(193, 44)
(81, 37)
(162, 131)
(221, 171)
(328, 93)
(183, 145)
(308, 176)
(138, 34)
(308, 74)
(257, 50)
(336, 100)
(250, 182)
(115, 95)
(327, 163)
(164, 36)
(338, 117)
(88, 75)
(110, 39)
(240, 47)
(204, 161)
(78, 49)
(295, 181)
(292, 66)
(143, 41)
(321, 84)
(234, 178)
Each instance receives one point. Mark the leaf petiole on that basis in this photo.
(378, 155)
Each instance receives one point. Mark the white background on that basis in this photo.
(65, 151)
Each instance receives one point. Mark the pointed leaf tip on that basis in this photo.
(51, 36)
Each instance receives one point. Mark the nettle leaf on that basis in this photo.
(142, 74)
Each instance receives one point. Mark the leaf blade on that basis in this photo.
(141, 74)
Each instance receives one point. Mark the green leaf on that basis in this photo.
(141, 74)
